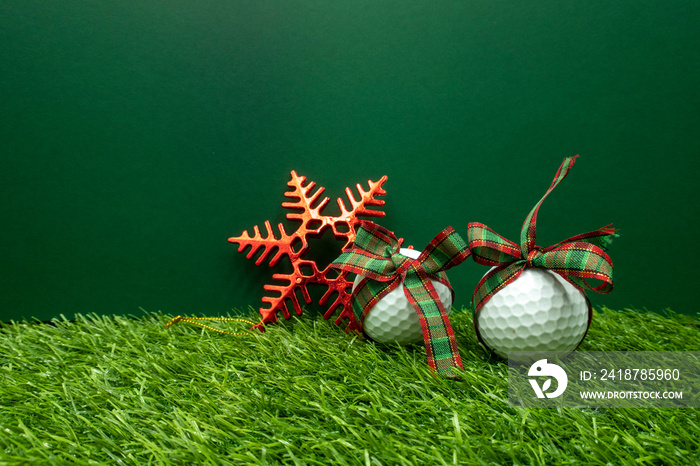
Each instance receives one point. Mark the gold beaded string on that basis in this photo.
(198, 321)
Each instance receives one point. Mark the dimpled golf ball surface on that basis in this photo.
(539, 311)
(393, 319)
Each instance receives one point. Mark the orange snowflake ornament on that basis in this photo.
(309, 212)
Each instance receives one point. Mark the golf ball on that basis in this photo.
(538, 311)
(392, 319)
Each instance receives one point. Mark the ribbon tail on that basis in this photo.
(495, 280)
(528, 232)
(438, 335)
(368, 293)
(580, 282)
(601, 237)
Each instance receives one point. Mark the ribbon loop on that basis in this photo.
(369, 258)
(577, 259)
(490, 248)
(371, 254)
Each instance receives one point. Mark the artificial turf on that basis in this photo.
(118, 390)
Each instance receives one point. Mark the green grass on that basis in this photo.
(114, 390)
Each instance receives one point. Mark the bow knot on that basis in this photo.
(533, 256)
(576, 259)
(401, 262)
(376, 256)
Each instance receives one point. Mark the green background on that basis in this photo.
(137, 137)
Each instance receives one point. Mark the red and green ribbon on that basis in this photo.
(577, 259)
(375, 255)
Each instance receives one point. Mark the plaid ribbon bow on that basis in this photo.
(375, 255)
(576, 259)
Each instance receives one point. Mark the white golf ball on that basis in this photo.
(393, 319)
(539, 311)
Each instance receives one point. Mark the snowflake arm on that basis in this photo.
(306, 206)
